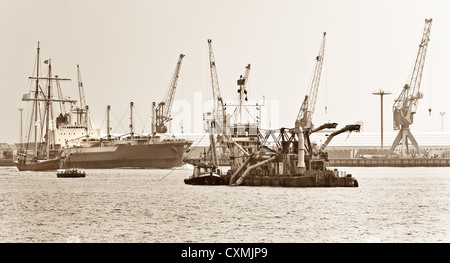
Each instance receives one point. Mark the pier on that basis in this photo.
(393, 162)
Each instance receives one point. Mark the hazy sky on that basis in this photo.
(127, 51)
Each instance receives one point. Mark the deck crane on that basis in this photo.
(219, 117)
(82, 111)
(405, 105)
(219, 121)
(62, 107)
(304, 117)
(64, 117)
(219, 113)
(164, 108)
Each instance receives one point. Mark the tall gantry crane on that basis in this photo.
(304, 117)
(405, 105)
(164, 109)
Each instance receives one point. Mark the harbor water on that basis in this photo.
(150, 205)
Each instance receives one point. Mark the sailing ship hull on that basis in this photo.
(44, 165)
(161, 155)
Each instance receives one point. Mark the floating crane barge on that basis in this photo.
(293, 162)
(289, 166)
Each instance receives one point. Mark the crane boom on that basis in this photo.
(405, 105)
(304, 117)
(349, 128)
(218, 107)
(164, 108)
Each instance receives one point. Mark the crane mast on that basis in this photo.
(164, 108)
(405, 105)
(304, 117)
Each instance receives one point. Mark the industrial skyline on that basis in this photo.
(127, 52)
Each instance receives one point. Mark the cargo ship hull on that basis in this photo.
(161, 155)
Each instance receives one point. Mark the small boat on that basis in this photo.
(70, 173)
(205, 174)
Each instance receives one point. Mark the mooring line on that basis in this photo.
(186, 156)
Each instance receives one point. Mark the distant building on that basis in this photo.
(352, 145)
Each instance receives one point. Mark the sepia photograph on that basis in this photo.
(238, 123)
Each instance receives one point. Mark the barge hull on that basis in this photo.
(299, 181)
(325, 180)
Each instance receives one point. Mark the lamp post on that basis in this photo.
(381, 93)
(21, 135)
(442, 120)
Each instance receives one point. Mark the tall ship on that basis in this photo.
(70, 141)
(40, 152)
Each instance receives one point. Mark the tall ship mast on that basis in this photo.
(40, 152)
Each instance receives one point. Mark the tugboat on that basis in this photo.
(205, 174)
(70, 173)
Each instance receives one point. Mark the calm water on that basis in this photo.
(134, 205)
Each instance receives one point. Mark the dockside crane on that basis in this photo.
(304, 117)
(163, 110)
(405, 105)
